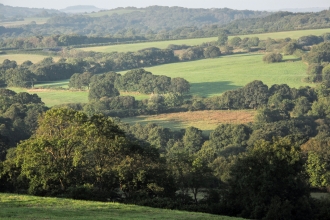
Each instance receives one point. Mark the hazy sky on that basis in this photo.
(234, 4)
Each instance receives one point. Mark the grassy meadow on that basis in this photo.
(206, 121)
(119, 11)
(197, 41)
(211, 77)
(20, 58)
(208, 77)
(38, 20)
(30, 207)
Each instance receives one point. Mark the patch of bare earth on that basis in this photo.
(209, 117)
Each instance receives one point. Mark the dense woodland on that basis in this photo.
(261, 170)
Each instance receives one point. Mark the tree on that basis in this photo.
(270, 176)
(212, 52)
(179, 85)
(222, 39)
(235, 41)
(272, 58)
(193, 140)
(102, 89)
(318, 161)
(290, 48)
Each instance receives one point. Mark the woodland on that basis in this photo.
(265, 169)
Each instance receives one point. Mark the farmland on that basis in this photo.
(208, 77)
(30, 207)
(204, 120)
(212, 77)
(38, 20)
(198, 41)
(20, 58)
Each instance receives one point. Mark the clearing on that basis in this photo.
(20, 58)
(197, 41)
(206, 121)
(31, 207)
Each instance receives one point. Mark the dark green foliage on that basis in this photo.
(212, 52)
(102, 89)
(192, 53)
(272, 58)
(229, 134)
(268, 182)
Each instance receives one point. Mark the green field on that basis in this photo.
(208, 77)
(113, 11)
(20, 58)
(140, 46)
(198, 41)
(30, 207)
(38, 20)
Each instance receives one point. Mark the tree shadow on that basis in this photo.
(292, 59)
(207, 89)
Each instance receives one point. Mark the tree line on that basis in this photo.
(239, 171)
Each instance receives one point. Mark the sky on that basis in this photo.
(233, 4)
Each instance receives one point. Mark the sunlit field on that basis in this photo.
(20, 58)
(206, 121)
(197, 41)
(14, 206)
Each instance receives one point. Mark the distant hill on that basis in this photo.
(314, 9)
(10, 12)
(281, 21)
(81, 9)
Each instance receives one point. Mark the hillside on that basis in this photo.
(80, 9)
(281, 21)
(30, 207)
(8, 12)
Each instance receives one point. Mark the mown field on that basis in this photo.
(208, 77)
(38, 20)
(30, 207)
(206, 121)
(113, 11)
(198, 41)
(20, 58)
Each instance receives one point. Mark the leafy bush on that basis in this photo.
(272, 58)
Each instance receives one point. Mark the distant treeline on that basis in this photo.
(163, 23)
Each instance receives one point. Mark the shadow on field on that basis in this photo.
(206, 89)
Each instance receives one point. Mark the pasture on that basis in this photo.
(211, 77)
(206, 121)
(197, 41)
(38, 20)
(20, 58)
(207, 77)
(30, 207)
(119, 11)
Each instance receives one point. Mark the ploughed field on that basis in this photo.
(15, 206)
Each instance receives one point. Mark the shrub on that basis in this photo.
(272, 58)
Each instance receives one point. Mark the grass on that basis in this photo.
(211, 77)
(139, 46)
(197, 41)
(57, 97)
(320, 195)
(207, 121)
(113, 11)
(38, 20)
(30, 207)
(208, 77)
(20, 58)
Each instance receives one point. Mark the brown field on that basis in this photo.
(204, 120)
